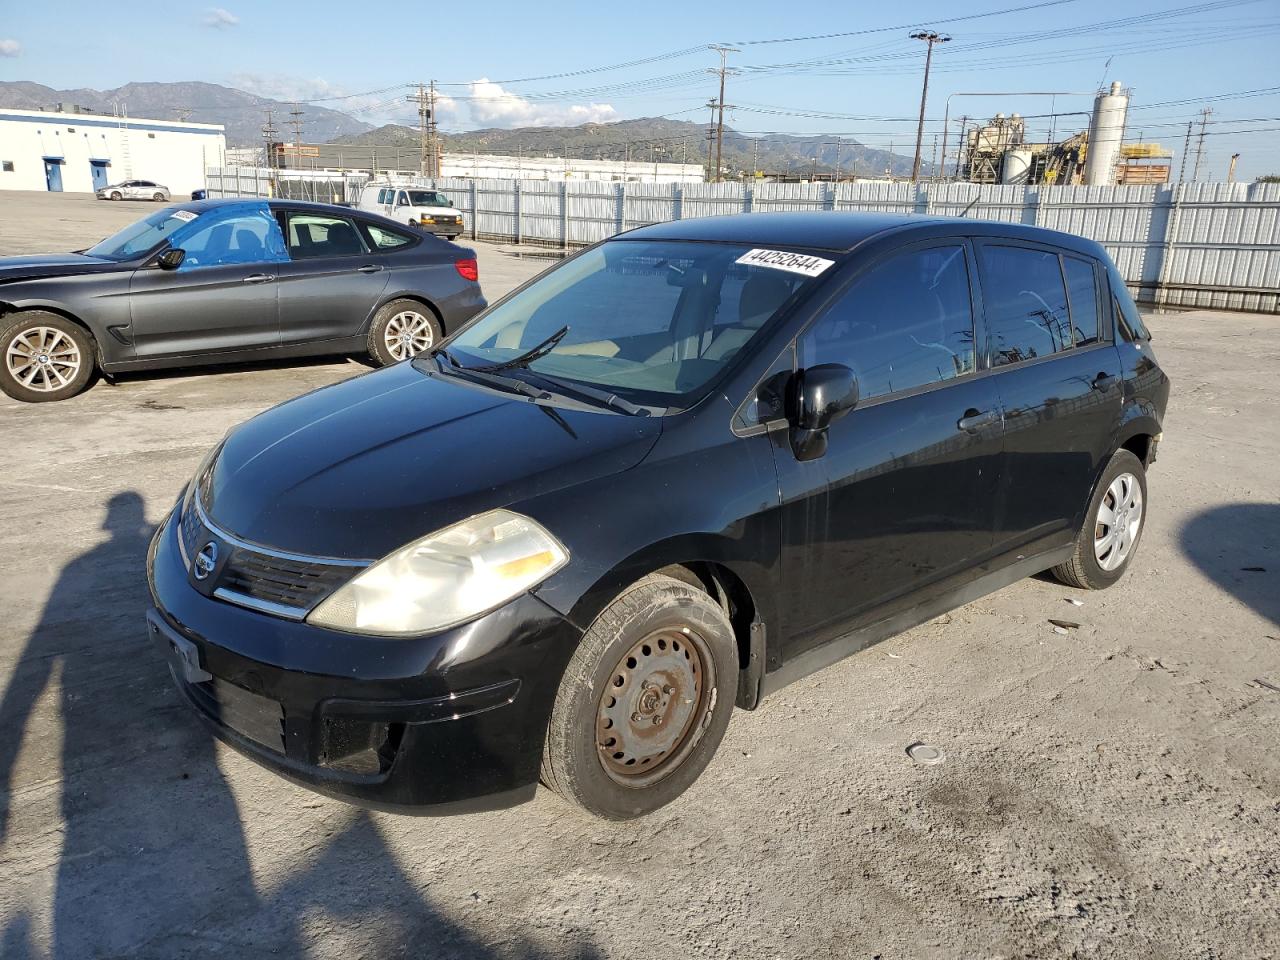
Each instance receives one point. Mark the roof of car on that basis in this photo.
(831, 230)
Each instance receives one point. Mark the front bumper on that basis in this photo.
(442, 229)
(448, 723)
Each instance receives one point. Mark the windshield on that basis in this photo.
(137, 238)
(428, 198)
(652, 320)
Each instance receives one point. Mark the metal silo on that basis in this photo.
(1106, 132)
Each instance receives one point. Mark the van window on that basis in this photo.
(1026, 303)
(382, 195)
(1083, 294)
(906, 324)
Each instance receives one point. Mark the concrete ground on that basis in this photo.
(1114, 792)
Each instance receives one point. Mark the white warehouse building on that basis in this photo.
(82, 152)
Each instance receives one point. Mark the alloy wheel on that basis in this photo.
(648, 716)
(1118, 521)
(43, 358)
(408, 333)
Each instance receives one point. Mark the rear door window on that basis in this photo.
(386, 239)
(1082, 290)
(1026, 303)
(320, 235)
(907, 323)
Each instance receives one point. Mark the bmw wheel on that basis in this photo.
(644, 702)
(403, 329)
(46, 357)
(1112, 526)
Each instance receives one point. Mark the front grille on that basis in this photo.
(250, 575)
(293, 583)
(258, 718)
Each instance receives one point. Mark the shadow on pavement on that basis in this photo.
(153, 860)
(1237, 545)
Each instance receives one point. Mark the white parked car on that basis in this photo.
(429, 209)
(135, 190)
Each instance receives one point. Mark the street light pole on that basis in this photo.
(930, 37)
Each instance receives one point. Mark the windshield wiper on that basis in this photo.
(592, 393)
(526, 358)
(505, 383)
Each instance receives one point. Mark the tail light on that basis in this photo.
(467, 269)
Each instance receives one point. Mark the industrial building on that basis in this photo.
(376, 160)
(71, 150)
(998, 151)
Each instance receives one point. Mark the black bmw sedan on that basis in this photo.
(678, 471)
(220, 281)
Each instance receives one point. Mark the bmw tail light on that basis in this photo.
(467, 269)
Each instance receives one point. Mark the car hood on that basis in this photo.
(361, 468)
(37, 266)
(437, 212)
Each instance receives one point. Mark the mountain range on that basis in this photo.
(243, 114)
(643, 140)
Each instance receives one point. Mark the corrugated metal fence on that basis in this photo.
(1194, 244)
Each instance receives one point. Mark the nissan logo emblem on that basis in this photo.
(205, 561)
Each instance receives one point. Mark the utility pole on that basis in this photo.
(1231, 168)
(961, 144)
(837, 179)
(724, 53)
(711, 141)
(269, 135)
(1186, 149)
(930, 37)
(425, 98)
(296, 123)
(1204, 123)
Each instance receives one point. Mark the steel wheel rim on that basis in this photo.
(1115, 529)
(654, 706)
(408, 333)
(44, 359)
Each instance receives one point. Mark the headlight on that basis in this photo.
(446, 578)
(427, 220)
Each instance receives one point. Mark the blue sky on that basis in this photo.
(865, 86)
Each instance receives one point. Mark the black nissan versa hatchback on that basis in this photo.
(683, 468)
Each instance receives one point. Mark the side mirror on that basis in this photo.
(172, 259)
(821, 395)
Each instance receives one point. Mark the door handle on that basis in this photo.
(259, 278)
(1104, 382)
(974, 420)
(369, 268)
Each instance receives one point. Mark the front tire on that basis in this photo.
(644, 702)
(402, 329)
(1112, 527)
(116, 195)
(159, 198)
(46, 357)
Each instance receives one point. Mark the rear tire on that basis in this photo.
(402, 329)
(644, 702)
(1112, 527)
(45, 357)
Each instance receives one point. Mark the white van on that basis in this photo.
(429, 209)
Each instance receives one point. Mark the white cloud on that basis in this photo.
(491, 105)
(10, 47)
(387, 106)
(220, 18)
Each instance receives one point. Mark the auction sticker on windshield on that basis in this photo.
(186, 216)
(803, 263)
